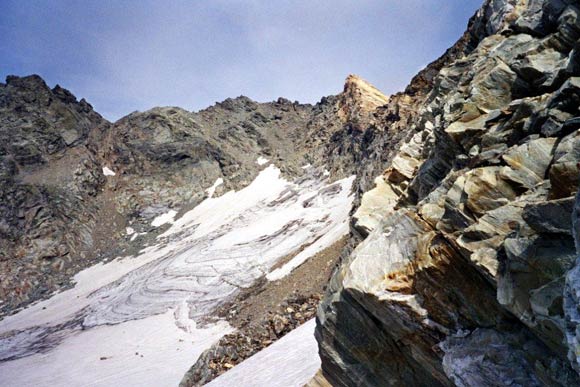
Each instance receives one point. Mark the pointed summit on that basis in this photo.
(363, 92)
(358, 101)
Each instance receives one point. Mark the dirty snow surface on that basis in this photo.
(132, 321)
(290, 362)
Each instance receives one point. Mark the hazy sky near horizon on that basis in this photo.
(124, 55)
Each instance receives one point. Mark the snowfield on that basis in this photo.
(132, 321)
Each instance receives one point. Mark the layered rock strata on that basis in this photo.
(460, 252)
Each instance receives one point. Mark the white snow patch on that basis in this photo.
(290, 362)
(261, 160)
(217, 212)
(129, 230)
(306, 166)
(326, 173)
(112, 355)
(154, 299)
(327, 240)
(164, 218)
(211, 190)
(108, 172)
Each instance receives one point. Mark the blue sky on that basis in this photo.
(124, 56)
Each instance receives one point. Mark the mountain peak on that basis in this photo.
(30, 82)
(359, 100)
(363, 92)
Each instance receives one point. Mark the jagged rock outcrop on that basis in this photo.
(48, 179)
(467, 235)
(358, 102)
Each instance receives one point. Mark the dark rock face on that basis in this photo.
(175, 155)
(47, 181)
(572, 293)
(460, 254)
(550, 217)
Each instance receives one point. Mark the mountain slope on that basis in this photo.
(459, 269)
(170, 216)
(73, 183)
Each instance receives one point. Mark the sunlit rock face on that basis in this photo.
(134, 315)
(462, 268)
(358, 102)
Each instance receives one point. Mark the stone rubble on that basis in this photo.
(250, 338)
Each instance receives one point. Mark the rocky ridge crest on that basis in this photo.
(358, 102)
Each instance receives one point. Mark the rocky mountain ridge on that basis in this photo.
(79, 189)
